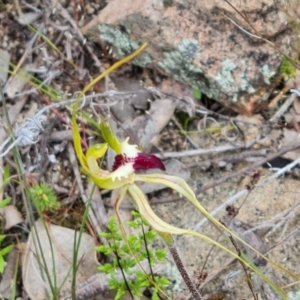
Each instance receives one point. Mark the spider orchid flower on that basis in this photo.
(123, 177)
(129, 158)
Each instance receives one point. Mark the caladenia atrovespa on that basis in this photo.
(123, 178)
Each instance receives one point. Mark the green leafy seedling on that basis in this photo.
(5, 202)
(4, 251)
(127, 255)
(287, 69)
(43, 197)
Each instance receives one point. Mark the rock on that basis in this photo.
(124, 107)
(195, 43)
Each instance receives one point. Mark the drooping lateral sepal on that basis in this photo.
(139, 199)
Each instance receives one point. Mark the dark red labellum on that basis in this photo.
(148, 161)
(121, 160)
(143, 161)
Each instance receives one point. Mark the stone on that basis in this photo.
(199, 46)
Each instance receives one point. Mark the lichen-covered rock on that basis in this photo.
(195, 43)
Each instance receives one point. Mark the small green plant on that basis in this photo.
(184, 119)
(6, 176)
(196, 93)
(287, 69)
(127, 255)
(4, 251)
(43, 197)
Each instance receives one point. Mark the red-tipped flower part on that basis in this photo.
(145, 161)
(142, 161)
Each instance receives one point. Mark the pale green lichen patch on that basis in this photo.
(234, 86)
(172, 272)
(179, 63)
(244, 83)
(122, 44)
(225, 78)
(189, 48)
(267, 73)
(246, 86)
(294, 295)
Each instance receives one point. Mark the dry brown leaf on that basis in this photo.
(11, 216)
(28, 18)
(62, 241)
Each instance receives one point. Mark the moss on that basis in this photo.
(287, 68)
(122, 44)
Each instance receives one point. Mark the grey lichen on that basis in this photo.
(122, 44)
(227, 82)
(294, 295)
(171, 271)
(225, 78)
(267, 73)
(189, 48)
(244, 83)
(246, 86)
(179, 64)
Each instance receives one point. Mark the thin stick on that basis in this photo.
(197, 152)
(183, 132)
(184, 274)
(284, 107)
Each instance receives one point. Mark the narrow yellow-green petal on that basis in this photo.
(102, 178)
(121, 194)
(109, 135)
(93, 153)
(180, 185)
(139, 199)
(76, 139)
(115, 66)
(167, 238)
(247, 262)
(106, 129)
(146, 211)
